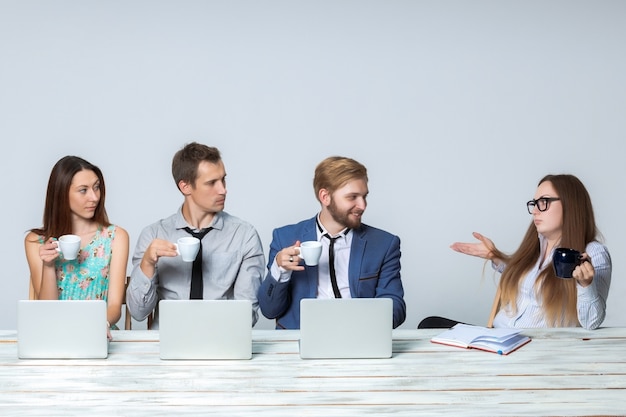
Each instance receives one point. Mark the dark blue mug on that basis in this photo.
(565, 260)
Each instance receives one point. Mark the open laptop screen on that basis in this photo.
(205, 329)
(61, 329)
(346, 328)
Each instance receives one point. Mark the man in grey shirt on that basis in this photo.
(231, 254)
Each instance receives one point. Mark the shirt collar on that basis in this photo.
(181, 223)
(322, 230)
(543, 246)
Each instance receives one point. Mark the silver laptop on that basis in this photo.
(205, 329)
(346, 328)
(62, 329)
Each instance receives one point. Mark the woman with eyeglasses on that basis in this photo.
(530, 294)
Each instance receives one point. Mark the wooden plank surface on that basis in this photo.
(561, 372)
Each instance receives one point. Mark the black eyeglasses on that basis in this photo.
(542, 203)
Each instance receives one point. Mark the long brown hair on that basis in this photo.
(557, 296)
(57, 216)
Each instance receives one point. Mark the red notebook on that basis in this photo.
(502, 341)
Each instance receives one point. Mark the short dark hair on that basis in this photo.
(185, 162)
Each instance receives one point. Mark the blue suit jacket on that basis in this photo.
(374, 271)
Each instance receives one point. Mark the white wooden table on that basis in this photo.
(561, 372)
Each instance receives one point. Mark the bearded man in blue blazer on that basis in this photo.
(365, 260)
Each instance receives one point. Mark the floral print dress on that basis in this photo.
(87, 276)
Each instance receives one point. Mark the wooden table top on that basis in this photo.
(561, 372)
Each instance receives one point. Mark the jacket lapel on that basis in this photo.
(310, 233)
(357, 254)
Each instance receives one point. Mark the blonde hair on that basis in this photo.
(335, 171)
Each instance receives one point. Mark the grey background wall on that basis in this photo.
(457, 108)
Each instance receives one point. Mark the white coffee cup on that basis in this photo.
(69, 246)
(310, 251)
(187, 248)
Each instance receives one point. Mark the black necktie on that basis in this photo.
(196, 270)
(331, 264)
(331, 257)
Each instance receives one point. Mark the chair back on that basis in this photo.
(128, 324)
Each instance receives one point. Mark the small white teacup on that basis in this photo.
(310, 251)
(69, 246)
(187, 248)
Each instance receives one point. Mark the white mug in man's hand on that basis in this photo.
(188, 247)
(310, 251)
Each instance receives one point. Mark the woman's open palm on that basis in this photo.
(482, 249)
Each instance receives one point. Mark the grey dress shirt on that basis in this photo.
(232, 265)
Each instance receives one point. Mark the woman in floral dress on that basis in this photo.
(75, 205)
